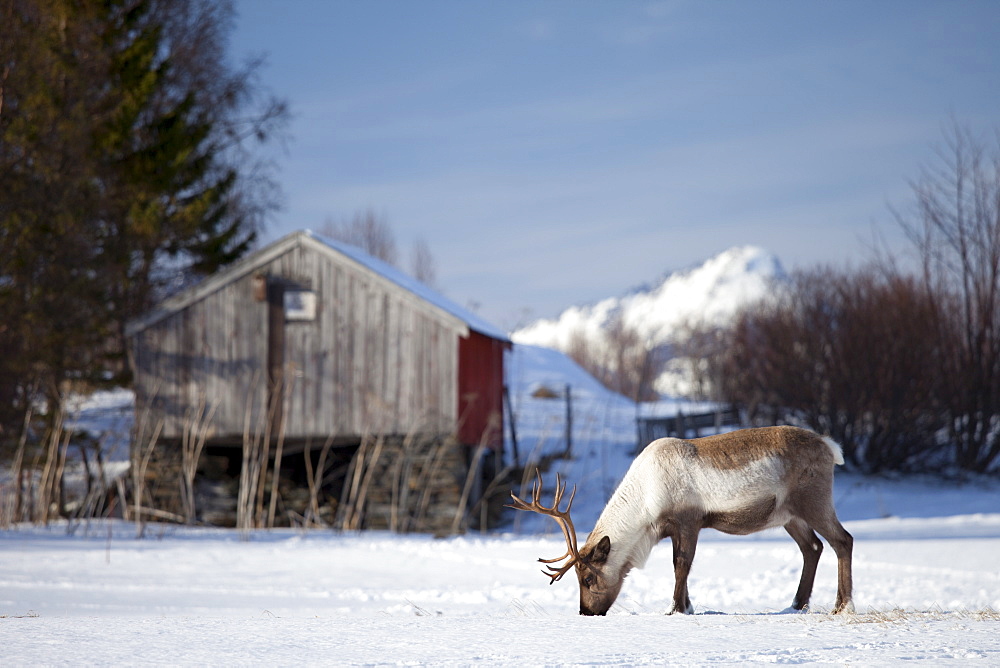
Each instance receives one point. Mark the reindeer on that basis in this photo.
(738, 483)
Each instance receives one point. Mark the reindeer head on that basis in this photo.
(598, 589)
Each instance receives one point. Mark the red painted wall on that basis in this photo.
(480, 390)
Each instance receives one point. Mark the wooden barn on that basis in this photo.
(311, 356)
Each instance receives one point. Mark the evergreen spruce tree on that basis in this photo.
(167, 199)
(51, 303)
(113, 169)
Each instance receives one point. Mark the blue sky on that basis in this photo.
(555, 153)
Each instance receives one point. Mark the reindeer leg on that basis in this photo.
(684, 543)
(830, 528)
(811, 548)
(816, 509)
(843, 544)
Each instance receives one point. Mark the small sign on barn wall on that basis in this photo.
(300, 305)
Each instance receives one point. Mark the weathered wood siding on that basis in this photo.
(376, 359)
(210, 354)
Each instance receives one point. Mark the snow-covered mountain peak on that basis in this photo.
(709, 293)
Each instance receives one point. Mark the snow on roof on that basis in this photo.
(269, 252)
(407, 282)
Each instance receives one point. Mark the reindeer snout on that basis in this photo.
(590, 613)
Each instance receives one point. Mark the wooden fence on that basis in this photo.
(684, 426)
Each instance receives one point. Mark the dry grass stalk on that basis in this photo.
(250, 464)
(196, 430)
(314, 479)
(363, 492)
(501, 479)
(350, 513)
(404, 474)
(264, 455)
(93, 501)
(473, 473)
(141, 454)
(456, 524)
(901, 616)
(351, 482)
(428, 473)
(285, 389)
(531, 464)
(363, 468)
(12, 505)
(400, 492)
(143, 442)
(50, 491)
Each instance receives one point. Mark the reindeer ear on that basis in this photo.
(600, 553)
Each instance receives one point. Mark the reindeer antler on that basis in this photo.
(560, 516)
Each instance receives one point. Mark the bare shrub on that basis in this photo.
(369, 232)
(373, 234)
(689, 369)
(619, 357)
(955, 227)
(422, 265)
(847, 354)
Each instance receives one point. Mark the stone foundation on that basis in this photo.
(396, 483)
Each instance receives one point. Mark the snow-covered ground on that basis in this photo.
(927, 580)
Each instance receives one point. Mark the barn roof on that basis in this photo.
(264, 255)
(404, 280)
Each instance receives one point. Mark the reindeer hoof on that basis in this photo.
(844, 609)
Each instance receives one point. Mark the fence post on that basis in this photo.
(569, 422)
(513, 426)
